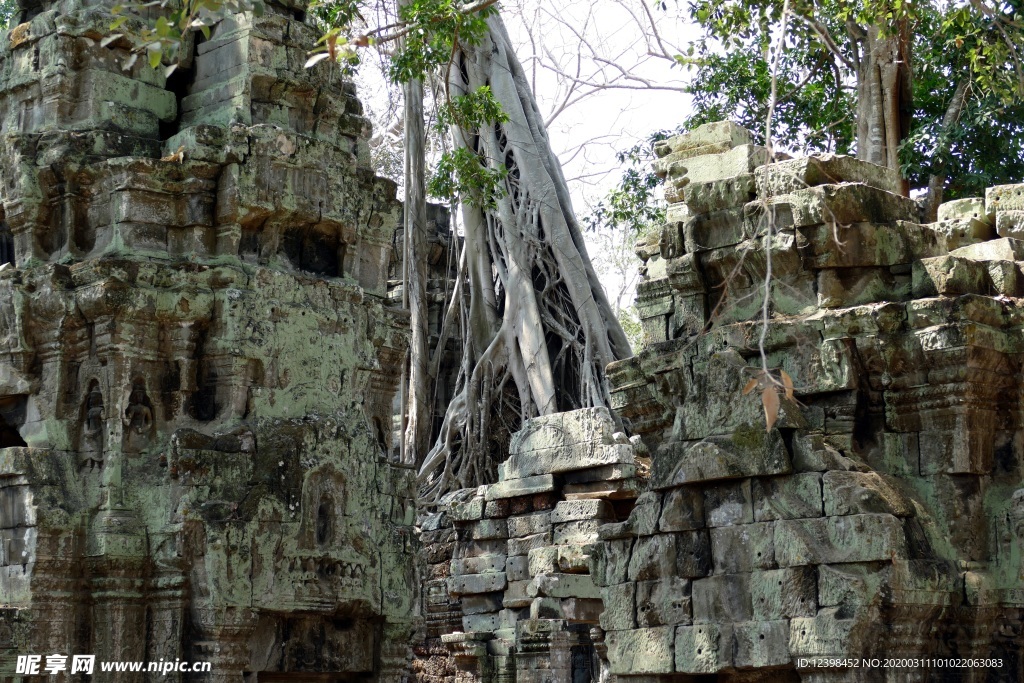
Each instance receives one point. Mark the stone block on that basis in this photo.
(467, 511)
(477, 583)
(542, 560)
(830, 540)
(704, 648)
(827, 169)
(523, 546)
(563, 586)
(851, 585)
(964, 231)
(526, 486)
(484, 564)
(574, 510)
(852, 493)
(743, 548)
(1004, 198)
(761, 644)
(728, 503)
(712, 195)
(813, 453)
(582, 610)
(481, 623)
(641, 651)
(737, 161)
(783, 593)
(546, 608)
(722, 599)
(619, 607)
(518, 568)
(949, 276)
(1010, 224)
(563, 442)
(723, 228)
(685, 554)
(608, 490)
(682, 510)
(574, 559)
(845, 287)
(527, 525)
(958, 209)
(603, 473)
(861, 245)
(823, 635)
(610, 561)
(1002, 249)
(482, 530)
(846, 203)
(957, 451)
(709, 134)
(517, 595)
(482, 603)
(745, 454)
(580, 531)
(665, 602)
(794, 496)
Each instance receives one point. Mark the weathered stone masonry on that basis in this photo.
(880, 517)
(197, 361)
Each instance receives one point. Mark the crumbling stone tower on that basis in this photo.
(197, 363)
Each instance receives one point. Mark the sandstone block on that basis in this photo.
(523, 546)
(846, 203)
(518, 568)
(610, 561)
(517, 595)
(574, 559)
(684, 554)
(563, 586)
(827, 169)
(720, 458)
(963, 232)
(482, 623)
(1010, 224)
(573, 510)
(958, 209)
(467, 511)
(619, 607)
(845, 287)
(526, 486)
(820, 636)
(728, 503)
(683, 510)
(542, 560)
(482, 530)
(526, 525)
(665, 602)
(861, 245)
(477, 583)
(722, 599)
(793, 496)
(737, 161)
(583, 610)
(722, 228)
(783, 593)
(1004, 198)
(580, 531)
(830, 540)
(482, 603)
(851, 493)
(603, 473)
(704, 648)
(484, 564)
(641, 651)
(712, 195)
(851, 585)
(743, 548)
(950, 276)
(1002, 249)
(714, 133)
(761, 643)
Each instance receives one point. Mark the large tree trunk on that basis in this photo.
(539, 329)
(937, 180)
(884, 95)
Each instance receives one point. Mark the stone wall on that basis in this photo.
(879, 516)
(198, 359)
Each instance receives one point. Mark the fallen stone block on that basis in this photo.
(1004, 198)
(845, 203)
(794, 496)
(1010, 224)
(950, 276)
(860, 245)
(714, 133)
(962, 232)
(1003, 249)
(827, 169)
(959, 209)
(664, 602)
(831, 540)
(641, 651)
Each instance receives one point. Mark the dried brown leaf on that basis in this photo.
(770, 401)
(787, 382)
(750, 386)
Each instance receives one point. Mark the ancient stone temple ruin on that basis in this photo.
(198, 363)
(878, 517)
(200, 358)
